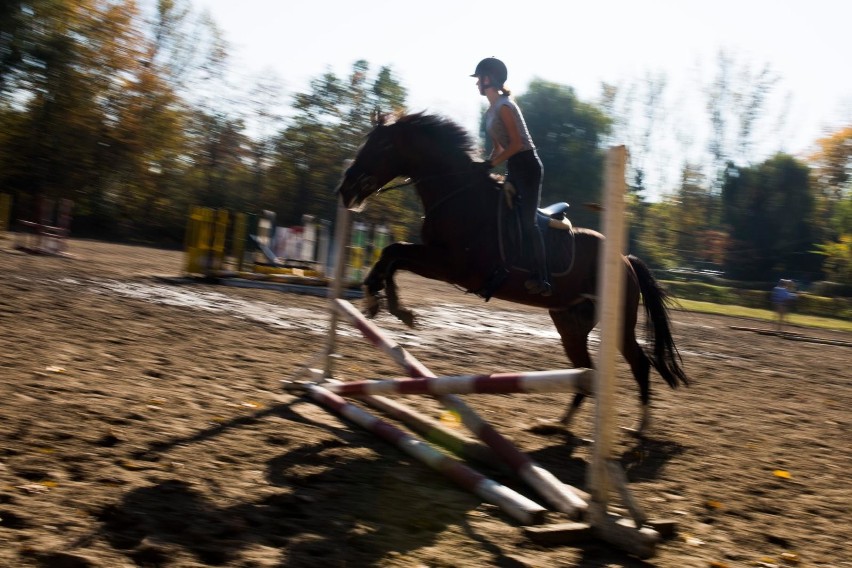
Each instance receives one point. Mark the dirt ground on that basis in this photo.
(144, 424)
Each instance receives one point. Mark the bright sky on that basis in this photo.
(434, 45)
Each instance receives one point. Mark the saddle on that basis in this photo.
(552, 216)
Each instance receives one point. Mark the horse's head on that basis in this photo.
(376, 163)
(417, 145)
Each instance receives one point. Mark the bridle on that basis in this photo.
(360, 175)
(404, 183)
(443, 200)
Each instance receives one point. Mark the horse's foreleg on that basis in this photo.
(575, 405)
(373, 284)
(395, 307)
(429, 262)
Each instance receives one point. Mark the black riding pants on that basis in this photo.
(525, 171)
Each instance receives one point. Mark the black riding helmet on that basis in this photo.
(493, 68)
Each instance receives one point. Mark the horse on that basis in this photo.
(464, 242)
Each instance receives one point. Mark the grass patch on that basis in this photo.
(765, 315)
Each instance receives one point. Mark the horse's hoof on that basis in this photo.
(371, 307)
(406, 317)
(548, 427)
(638, 433)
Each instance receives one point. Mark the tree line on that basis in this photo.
(128, 109)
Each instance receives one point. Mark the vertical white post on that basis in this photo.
(339, 253)
(323, 246)
(309, 239)
(605, 473)
(610, 296)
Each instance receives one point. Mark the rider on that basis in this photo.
(513, 145)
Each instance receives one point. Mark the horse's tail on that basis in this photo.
(664, 356)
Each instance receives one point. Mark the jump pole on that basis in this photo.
(605, 472)
(562, 497)
(435, 432)
(517, 506)
(564, 380)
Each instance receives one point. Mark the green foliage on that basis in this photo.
(332, 119)
(840, 308)
(831, 163)
(831, 178)
(769, 209)
(656, 242)
(838, 259)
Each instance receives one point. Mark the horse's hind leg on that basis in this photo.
(574, 325)
(640, 366)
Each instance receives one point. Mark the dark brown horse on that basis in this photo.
(465, 241)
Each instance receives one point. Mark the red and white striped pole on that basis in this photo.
(514, 504)
(564, 380)
(434, 431)
(564, 498)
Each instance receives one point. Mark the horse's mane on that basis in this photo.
(442, 131)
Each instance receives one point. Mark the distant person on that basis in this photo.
(782, 297)
(513, 145)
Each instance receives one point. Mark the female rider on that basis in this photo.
(513, 145)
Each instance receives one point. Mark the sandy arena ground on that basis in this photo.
(144, 424)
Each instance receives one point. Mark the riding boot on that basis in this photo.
(539, 283)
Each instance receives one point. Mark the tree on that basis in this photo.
(187, 49)
(656, 239)
(266, 120)
(15, 33)
(568, 135)
(67, 81)
(838, 259)
(832, 179)
(692, 223)
(637, 115)
(219, 159)
(331, 120)
(736, 103)
(768, 208)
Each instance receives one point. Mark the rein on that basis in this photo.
(410, 181)
(404, 183)
(446, 198)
